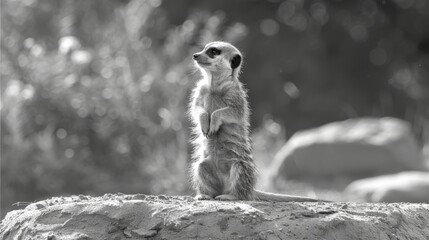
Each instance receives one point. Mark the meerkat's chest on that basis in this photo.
(214, 101)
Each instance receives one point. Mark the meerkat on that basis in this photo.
(222, 166)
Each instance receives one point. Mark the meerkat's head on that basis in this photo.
(219, 58)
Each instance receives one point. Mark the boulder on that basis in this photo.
(355, 147)
(118, 216)
(400, 187)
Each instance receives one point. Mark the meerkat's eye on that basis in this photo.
(215, 51)
(212, 52)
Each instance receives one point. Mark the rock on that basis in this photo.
(400, 187)
(122, 217)
(355, 147)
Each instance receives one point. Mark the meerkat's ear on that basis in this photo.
(235, 61)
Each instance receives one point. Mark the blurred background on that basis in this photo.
(94, 93)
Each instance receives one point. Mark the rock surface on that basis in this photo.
(355, 147)
(159, 217)
(400, 187)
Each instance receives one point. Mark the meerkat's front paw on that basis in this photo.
(205, 123)
(214, 125)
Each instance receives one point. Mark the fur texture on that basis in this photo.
(222, 159)
(222, 165)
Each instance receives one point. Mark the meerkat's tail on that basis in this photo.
(267, 196)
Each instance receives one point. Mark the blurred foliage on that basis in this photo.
(94, 93)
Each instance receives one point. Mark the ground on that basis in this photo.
(120, 216)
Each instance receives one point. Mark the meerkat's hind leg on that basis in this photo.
(241, 182)
(206, 181)
(226, 197)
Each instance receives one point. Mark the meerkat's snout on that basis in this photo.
(201, 60)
